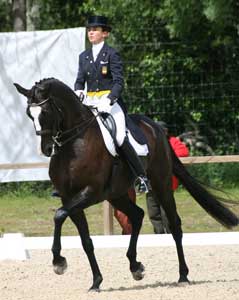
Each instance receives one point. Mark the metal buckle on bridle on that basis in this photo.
(56, 138)
(54, 150)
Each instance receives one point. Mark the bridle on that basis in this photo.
(55, 108)
(60, 137)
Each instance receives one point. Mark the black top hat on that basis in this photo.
(94, 21)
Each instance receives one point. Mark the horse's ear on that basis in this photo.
(22, 90)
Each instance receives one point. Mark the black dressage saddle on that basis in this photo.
(132, 122)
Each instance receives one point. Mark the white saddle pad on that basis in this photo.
(141, 150)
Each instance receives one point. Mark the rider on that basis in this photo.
(100, 67)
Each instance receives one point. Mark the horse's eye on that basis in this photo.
(40, 94)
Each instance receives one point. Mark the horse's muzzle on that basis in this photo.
(48, 149)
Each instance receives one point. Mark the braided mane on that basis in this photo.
(54, 87)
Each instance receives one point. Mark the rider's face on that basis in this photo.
(96, 35)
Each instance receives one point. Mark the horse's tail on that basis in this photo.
(208, 201)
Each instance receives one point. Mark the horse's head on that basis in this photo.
(45, 112)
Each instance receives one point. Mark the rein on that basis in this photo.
(61, 138)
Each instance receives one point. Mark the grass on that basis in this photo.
(34, 215)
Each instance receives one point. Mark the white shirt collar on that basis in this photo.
(96, 49)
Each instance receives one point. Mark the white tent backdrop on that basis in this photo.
(27, 57)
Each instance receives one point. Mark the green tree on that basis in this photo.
(6, 16)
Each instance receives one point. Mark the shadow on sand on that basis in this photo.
(165, 284)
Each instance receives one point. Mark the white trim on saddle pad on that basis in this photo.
(141, 150)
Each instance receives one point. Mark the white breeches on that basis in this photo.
(103, 105)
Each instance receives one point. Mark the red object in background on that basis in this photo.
(180, 150)
(122, 218)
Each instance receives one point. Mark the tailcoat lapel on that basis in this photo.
(90, 59)
(102, 55)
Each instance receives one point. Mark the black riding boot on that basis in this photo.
(135, 164)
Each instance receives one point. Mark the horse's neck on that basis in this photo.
(77, 113)
(85, 113)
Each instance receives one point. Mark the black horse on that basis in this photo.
(84, 173)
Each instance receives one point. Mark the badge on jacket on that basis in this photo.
(104, 70)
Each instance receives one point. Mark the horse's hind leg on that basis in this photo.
(59, 262)
(175, 226)
(135, 215)
(178, 235)
(79, 219)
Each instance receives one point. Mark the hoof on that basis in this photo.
(60, 267)
(183, 280)
(139, 273)
(96, 284)
(94, 290)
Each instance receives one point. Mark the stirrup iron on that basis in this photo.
(143, 184)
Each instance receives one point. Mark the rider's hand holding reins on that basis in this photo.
(113, 101)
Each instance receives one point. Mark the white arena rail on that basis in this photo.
(15, 246)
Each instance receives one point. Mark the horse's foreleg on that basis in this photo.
(79, 219)
(135, 215)
(59, 262)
